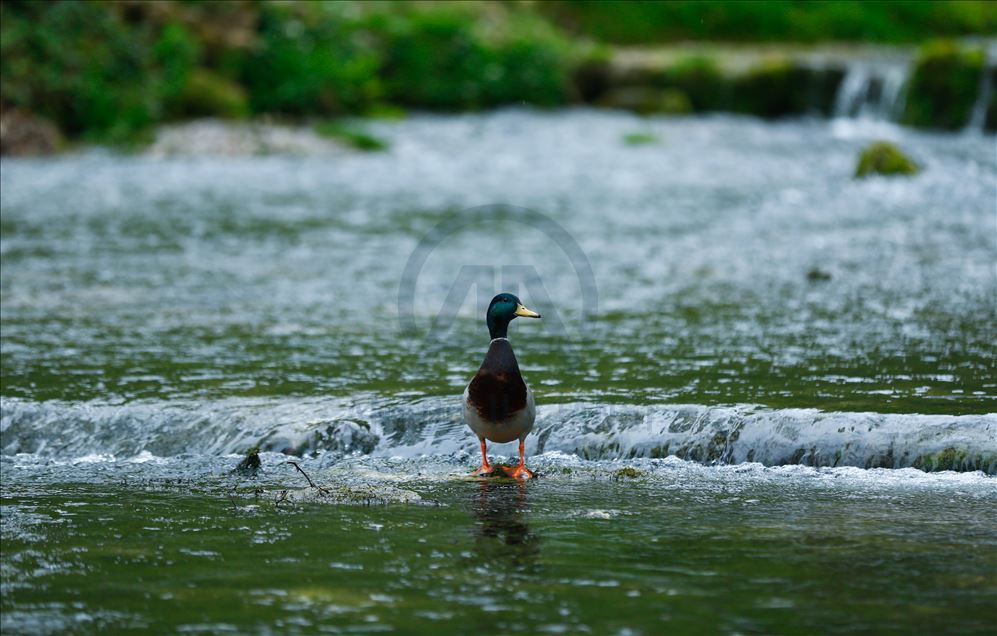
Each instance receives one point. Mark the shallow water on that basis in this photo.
(127, 278)
(674, 546)
(161, 316)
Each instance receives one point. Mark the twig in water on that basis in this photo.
(310, 482)
(279, 499)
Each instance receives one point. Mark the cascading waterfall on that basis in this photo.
(978, 116)
(707, 434)
(875, 91)
(872, 91)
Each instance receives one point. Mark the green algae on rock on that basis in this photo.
(629, 472)
(943, 86)
(640, 138)
(885, 158)
(783, 87)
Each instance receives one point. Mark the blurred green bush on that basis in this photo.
(78, 64)
(109, 70)
(310, 59)
(642, 22)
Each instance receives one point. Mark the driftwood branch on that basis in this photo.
(309, 479)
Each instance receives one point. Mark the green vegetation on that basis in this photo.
(884, 158)
(351, 136)
(642, 22)
(207, 94)
(944, 85)
(109, 71)
(77, 64)
(629, 472)
(954, 459)
(448, 58)
(309, 59)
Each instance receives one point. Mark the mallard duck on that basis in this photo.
(498, 406)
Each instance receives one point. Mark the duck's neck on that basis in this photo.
(497, 327)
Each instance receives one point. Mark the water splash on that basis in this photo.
(432, 427)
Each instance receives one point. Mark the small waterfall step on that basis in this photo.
(872, 91)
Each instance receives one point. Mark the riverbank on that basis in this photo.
(111, 72)
(841, 82)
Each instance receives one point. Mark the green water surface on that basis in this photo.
(560, 555)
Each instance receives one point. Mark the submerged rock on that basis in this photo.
(885, 158)
(817, 275)
(367, 495)
(250, 464)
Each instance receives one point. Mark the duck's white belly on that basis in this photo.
(516, 426)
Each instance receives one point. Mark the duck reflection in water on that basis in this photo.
(502, 534)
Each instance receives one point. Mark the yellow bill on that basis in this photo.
(526, 313)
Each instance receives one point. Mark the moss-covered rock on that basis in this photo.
(943, 86)
(779, 88)
(701, 80)
(640, 138)
(647, 100)
(885, 158)
(250, 464)
(956, 459)
(770, 87)
(591, 75)
(628, 472)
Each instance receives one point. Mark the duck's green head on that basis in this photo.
(501, 312)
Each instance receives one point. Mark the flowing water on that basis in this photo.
(735, 409)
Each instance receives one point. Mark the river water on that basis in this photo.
(773, 347)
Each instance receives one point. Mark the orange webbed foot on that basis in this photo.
(483, 471)
(518, 472)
